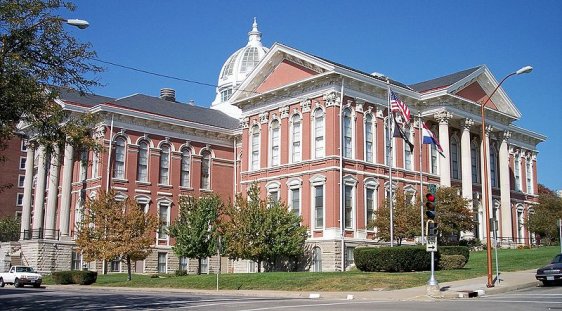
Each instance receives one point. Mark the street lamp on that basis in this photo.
(485, 188)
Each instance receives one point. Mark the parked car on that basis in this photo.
(20, 276)
(551, 273)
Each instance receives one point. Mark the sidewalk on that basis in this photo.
(457, 289)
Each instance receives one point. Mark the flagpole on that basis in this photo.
(420, 128)
(389, 157)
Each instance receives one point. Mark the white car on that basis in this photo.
(20, 276)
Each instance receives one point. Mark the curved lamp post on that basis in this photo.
(485, 188)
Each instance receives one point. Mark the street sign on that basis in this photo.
(432, 188)
(431, 245)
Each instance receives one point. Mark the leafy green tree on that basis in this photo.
(9, 229)
(406, 218)
(38, 55)
(454, 213)
(545, 216)
(113, 229)
(195, 230)
(262, 231)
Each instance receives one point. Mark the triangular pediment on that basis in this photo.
(478, 86)
(285, 72)
(280, 67)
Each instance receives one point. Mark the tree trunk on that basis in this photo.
(128, 268)
(199, 260)
(259, 266)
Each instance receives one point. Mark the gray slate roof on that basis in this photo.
(154, 105)
(444, 81)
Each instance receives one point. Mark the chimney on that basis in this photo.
(168, 94)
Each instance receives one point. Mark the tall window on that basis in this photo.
(493, 166)
(95, 164)
(295, 200)
(255, 145)
(348, 207)
(204, 269)
(517, 172)
(475, 162)
(347, 134)
(119, 160)
(183, 263)
(529, 175)
(76, 260)
(370, 207)
(408, 155)
(164, 165)
(185, 167)
(434, 159)
(164, 216)
(520, 225)
(318, 133)
(142, 162)
(274, 143)
(316, 259)
(206, 170)
(296, 139)
(162, 262)
(455, 158)
(318, 207)
(84, 164)
(369, 139)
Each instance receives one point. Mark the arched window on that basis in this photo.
(274, 143)
(119, 159)
(520, 225)
(517, 172)
(455, 172)
(185, 167)
(318, 133)
(347, 134)
(370, 203)
(206, 170)
(164, 165)
(475, 162)
(164, 216)
(493, 166)
(255, 148)
(316, 259)
(369, 139)
(142, 162)
(296, 138)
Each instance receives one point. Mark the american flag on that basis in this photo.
(396, 105)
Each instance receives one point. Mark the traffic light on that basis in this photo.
(431, 228)
(430, 205)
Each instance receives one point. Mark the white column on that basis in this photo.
(505, 193)
(66, 189)
(39, 192)
(486, 141)
(27, 191)
(444, 162)
(52, 194)
(466, 159)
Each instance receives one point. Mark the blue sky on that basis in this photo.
(409, 41)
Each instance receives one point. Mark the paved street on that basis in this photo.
(538, 298)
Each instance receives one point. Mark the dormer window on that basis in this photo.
(225, 94)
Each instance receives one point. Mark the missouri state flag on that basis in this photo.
(429, 138)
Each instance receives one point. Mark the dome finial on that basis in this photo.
(255, 34)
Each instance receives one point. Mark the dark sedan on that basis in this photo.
(551, 273)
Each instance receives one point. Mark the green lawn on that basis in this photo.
(509, 260)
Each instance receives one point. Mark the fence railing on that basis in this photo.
(51, 234)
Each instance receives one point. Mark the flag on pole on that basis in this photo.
(400, 130)
(429, 138)
(396, 105)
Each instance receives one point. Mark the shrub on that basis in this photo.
(181, 272)
(75, 277)
(392, 259)
(450, 262)
(455, 250)
(154, 276)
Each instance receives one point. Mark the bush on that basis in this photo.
(75, 277)
(392, 259)
(450, 262)
(455, 250)
(181, 272)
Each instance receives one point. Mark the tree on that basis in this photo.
(38, 55)
(544, 218)
(454, 213)
(9, 229)
(112, 229)
(262, 231)
(195, 230)
(406, 218)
